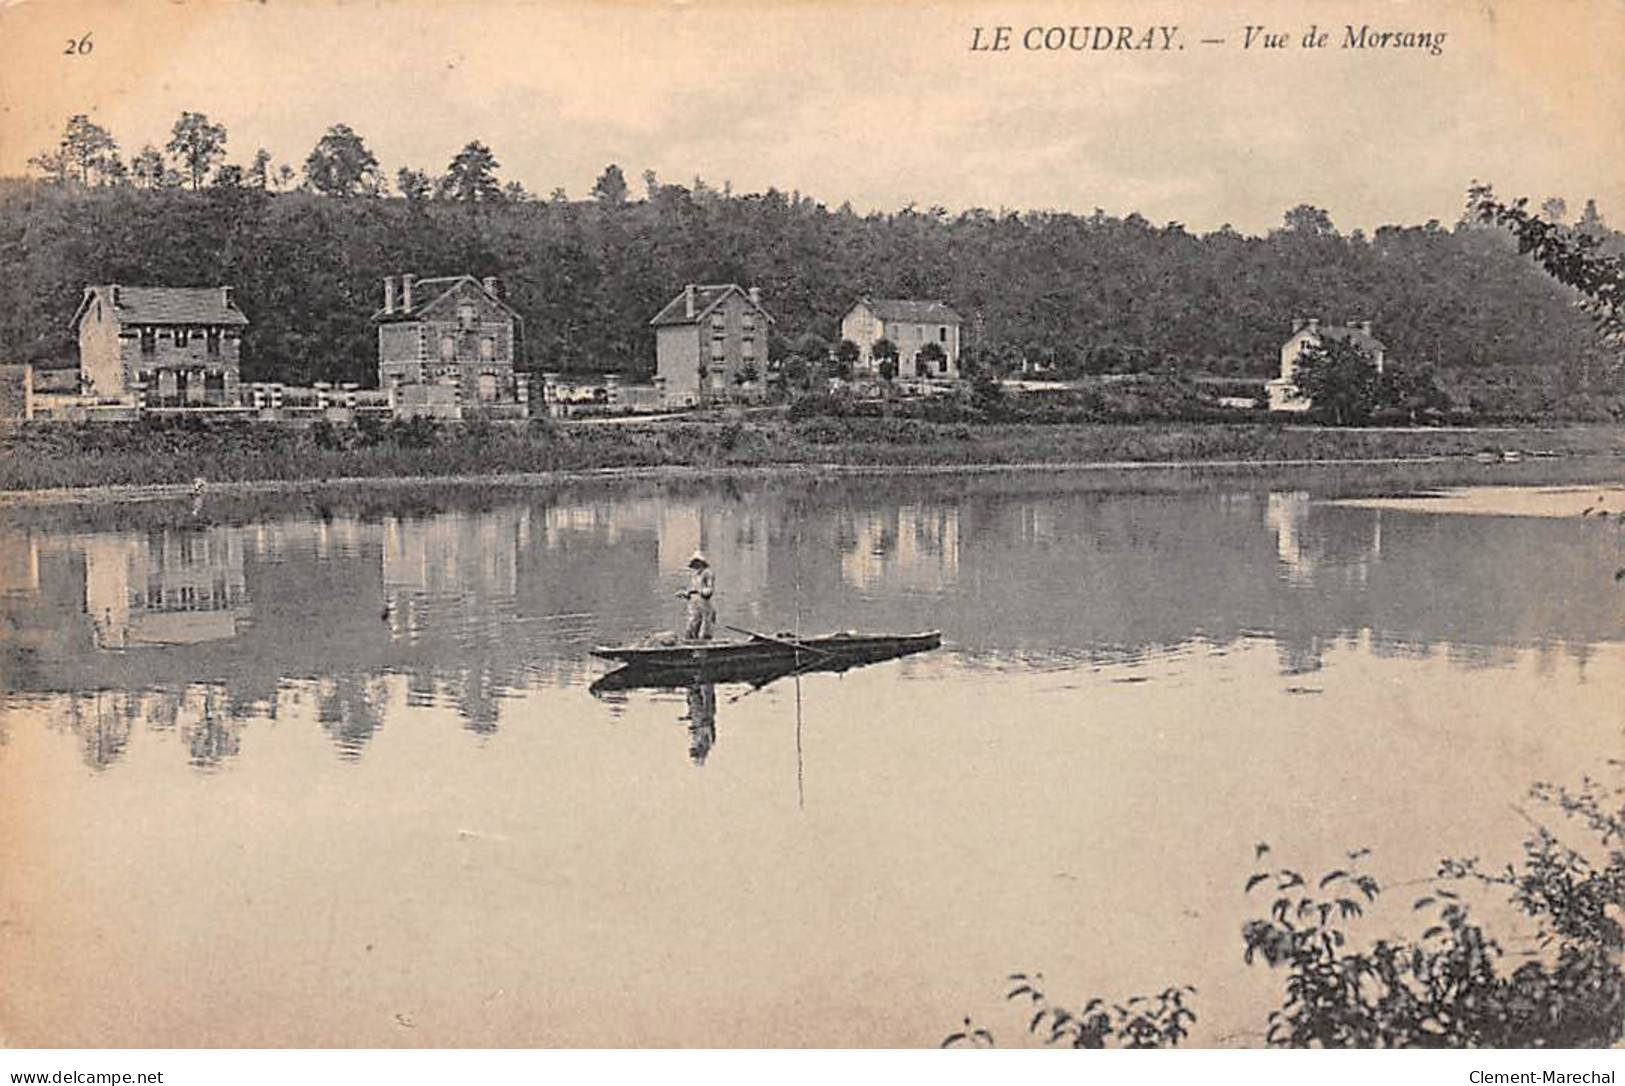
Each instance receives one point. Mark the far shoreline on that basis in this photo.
(89, 465)
(160, 492)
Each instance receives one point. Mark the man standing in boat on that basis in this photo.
(702, 613)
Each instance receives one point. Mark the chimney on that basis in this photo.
(688, 301)
(1297, 325)
(1365, 326)
(1314, 324)
(389, 294)
(490, 283)
(756, 297)
(406, 292)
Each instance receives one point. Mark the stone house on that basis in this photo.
(1284, 394)
(710, 344)
(455, 332)
(909, 325)
(160, 346)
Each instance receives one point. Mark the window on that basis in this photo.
(448, 348)
(181, 337)
(212, 342)
(942, 335)
(149, 341)
(942, 364)
(465, 316)
(716, 352)
(488, 347)
(748, 322)
(719, 326)
(748, 351)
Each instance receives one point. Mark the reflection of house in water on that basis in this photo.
(168, 587)
(912, 547)
(458, 572)
(19, 564)
(1355, 542)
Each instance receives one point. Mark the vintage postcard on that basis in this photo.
(721, 524)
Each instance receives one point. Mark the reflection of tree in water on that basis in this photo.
(476, 694)
(702, 721)
(215, 735)
(1300, 655)
(103, 727)
(350, 709)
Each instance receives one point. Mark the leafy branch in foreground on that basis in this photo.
(1159, 1021)
(1571, 255)
(1451, 987)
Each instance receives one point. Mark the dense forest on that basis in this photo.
(1084, 293)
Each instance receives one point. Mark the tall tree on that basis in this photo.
(1340, 380)
(471, 177)
(341, 165)
(416, 185)
(88, 148)
(54, 165)
(259, 171)
(196, 143)
(1308, 220)
(610, 188)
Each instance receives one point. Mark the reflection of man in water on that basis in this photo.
(702, 721)
(702, 613)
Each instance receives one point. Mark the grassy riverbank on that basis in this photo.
(39, 457)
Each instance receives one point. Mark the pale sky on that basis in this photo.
(881, 106)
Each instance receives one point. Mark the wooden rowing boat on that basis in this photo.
(757, 661)
(767, 652)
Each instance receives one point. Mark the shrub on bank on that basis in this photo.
(1449, 985)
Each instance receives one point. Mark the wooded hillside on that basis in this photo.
(1092, 293)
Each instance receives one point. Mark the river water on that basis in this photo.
(311, 771)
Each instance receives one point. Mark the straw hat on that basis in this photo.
(697, 559)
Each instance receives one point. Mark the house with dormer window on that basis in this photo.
(160, 346)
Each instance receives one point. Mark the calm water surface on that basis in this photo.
(332, 774)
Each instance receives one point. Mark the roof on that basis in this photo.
(909, 309)
(165, 305)
(1344, 332)
(706, 298)
(428, 292)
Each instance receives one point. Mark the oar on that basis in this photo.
(797, 645)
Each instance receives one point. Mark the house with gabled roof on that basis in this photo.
(162, 346)
(711, 344)
(910, 325)
(454, 335)
(1284, 394)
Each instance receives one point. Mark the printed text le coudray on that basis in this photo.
(1101, 39)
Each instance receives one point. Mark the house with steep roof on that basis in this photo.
(450, 338)
(1284, 394)
(910, 325)
(711, 344)
(161, 346)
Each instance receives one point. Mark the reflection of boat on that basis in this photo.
(757, 660)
